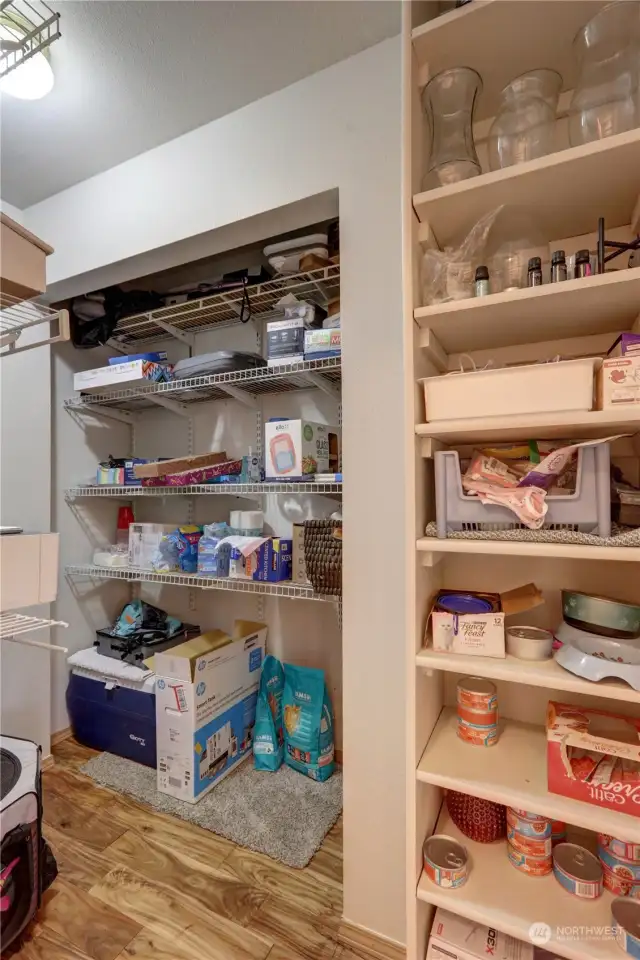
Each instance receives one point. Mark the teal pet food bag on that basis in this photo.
(268, 736)
(308, 722)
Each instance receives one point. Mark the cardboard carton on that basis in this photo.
(128, 374)
(618, 382)
(480, 634)
(298, 449)
(594, 756)
(163, 468)
(456, 938)
(206, 692)
(23, 267)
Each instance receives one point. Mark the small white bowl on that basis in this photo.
(529, 643)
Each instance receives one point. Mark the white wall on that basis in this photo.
(337, 129)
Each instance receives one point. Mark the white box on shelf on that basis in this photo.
(206, 692)
(456, 938)
(532, 388)
(298, 449)
(28, 569)
(619, 382)
(480, 634)
(113, 375)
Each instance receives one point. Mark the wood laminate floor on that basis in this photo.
(138, 885)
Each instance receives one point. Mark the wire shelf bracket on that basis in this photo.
(33, 26)
(14, 625)
(19, 316)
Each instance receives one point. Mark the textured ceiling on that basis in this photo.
(132, 74)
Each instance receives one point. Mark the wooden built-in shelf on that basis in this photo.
(527, 548)
(566, 191)
(498, 895)
(587, 425)
(607, 303)
(534, 39)
(513, 772)
(533, 673)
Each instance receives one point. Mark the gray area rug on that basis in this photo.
(284, 815)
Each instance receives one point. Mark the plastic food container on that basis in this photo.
(529, 643)
(566, 386)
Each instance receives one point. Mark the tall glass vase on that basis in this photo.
(448, 101)
(606, 99)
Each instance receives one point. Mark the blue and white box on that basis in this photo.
(271, 562)
(206, 694)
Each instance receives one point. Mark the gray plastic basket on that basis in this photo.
(588, 510)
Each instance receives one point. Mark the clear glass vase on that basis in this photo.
(524, 128)
(607, 50)
(448, 101)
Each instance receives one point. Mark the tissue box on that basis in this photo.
(618, 382)
(127, 374)
(120, 476)
(271, 562)
(206, 692)
(480, 634)
(296, 449)
(593, 756)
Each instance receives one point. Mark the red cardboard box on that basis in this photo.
(594, 756)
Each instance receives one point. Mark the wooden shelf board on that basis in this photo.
(575, 425)
(498, 895)
(577, 308)
(544, 673)
(535, 38)
(513, 772)
(524, 548)
(554, 187)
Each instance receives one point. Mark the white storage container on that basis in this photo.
(535, 388)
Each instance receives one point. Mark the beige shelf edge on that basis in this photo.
(515, 548)
(513, 772)
(545, 673)
(576, 425)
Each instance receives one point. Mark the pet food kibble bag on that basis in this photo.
(268, 736)
(308, 722)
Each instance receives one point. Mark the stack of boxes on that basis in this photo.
(303, 334)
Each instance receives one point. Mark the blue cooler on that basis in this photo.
(113, 714)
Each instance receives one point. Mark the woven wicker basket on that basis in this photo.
(323, 555)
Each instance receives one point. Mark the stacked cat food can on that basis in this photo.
(530, 842)
(621, 866)
(477, 711)
(578, 870)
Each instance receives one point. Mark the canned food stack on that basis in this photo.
(477, 711)
(530, 842)
(621, 866)
(578, 870)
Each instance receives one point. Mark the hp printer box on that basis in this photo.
(206, 692)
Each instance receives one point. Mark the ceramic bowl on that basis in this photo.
(601, 615)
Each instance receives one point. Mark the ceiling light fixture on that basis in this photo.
(27, 29)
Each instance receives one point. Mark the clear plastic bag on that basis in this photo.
(448, 274)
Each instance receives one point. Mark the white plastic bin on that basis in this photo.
(562, 387)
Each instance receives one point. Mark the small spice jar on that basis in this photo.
(481, 283)
(558, 266)
(534, 272)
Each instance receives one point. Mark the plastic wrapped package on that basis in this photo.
(503, 239)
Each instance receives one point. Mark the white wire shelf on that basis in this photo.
(18, 316)
(325, 374)
(29, 27)
(283, 589)
(223, 309)
(14, 624)
(250, 490)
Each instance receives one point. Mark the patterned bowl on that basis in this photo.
(601, 615)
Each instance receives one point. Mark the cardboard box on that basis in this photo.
(144, 539)
(481, 634)
(206, 692)
(120, 476)
(627, 344)
(618, 382)
(298, 561)
(594, 756)
(285, 341)
(271, 562)
(322, 343)
(456, 938)
(115, 375)
(297, 449)
(28, 569)
(23, 265)
(163, 468)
